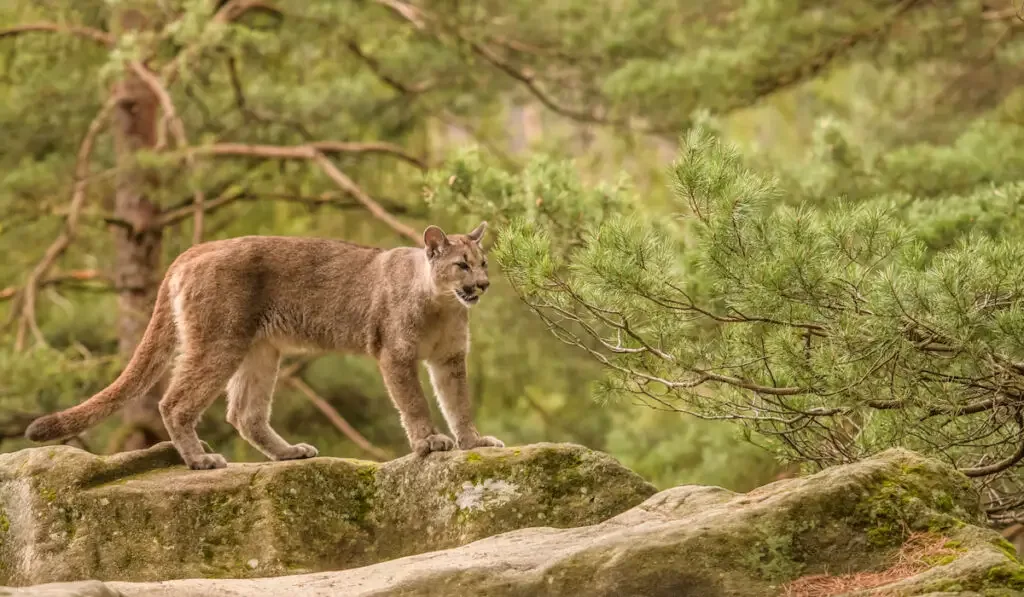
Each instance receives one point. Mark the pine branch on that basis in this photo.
(27, 319)
(390, 81)
(818, 63)
(230, 11)
(420, 19)
(101, 37)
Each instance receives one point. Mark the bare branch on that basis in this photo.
(307, 151)
(173, 216)
(315, 153)
(406, 11)
(74, 276)
(95, 35)
(531, 84)
(337, 420)
(372, 206)
(27, 321)
(1002, 465)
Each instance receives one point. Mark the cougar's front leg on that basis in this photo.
(448, 376)
(399, 370)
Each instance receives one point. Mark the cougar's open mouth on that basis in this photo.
(466, 298)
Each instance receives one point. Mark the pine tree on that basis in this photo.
(831, 332)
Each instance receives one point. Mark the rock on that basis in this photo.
(68, 515)
(894, 525)
(91, 588)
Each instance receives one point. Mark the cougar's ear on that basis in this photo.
(478, 233)
(434, 240)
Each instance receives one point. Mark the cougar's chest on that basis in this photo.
(442, 334)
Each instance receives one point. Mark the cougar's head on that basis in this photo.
(457, 263)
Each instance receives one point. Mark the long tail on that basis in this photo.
(150, 360)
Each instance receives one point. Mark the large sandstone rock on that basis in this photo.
(896, 525)
(68, 515)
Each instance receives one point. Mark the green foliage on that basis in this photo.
(832, 257)
(316, 71)
(831, 332)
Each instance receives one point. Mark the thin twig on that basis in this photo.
(315, 153)
(372, 206)
(307, 151)
(378, 71)
(86, 32)
(74, 276)
(996, 467)
(172, 216)
(337, 420)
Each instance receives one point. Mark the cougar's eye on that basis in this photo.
(463, 265)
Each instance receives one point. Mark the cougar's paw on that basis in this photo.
(207, 462)
(489, 441)
(485, 441)
(298, 451)
(433, 443)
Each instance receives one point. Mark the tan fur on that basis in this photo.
(230, 308)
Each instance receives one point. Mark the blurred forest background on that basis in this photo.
(888, 131)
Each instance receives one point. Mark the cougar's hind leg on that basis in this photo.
(198, 379)
(250, 393)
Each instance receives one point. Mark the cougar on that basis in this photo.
(230, 308)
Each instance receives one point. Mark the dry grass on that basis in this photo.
(918, 553)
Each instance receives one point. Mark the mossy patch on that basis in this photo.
(322, 508)
(48, 494)
(1006, 576)
(919, 499)
(775, 557)
(1007, 548)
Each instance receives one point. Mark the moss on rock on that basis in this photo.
(685, 542)
(70, 515)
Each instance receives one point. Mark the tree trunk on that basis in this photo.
(137, 250)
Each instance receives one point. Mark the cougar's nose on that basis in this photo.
(483, 285)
